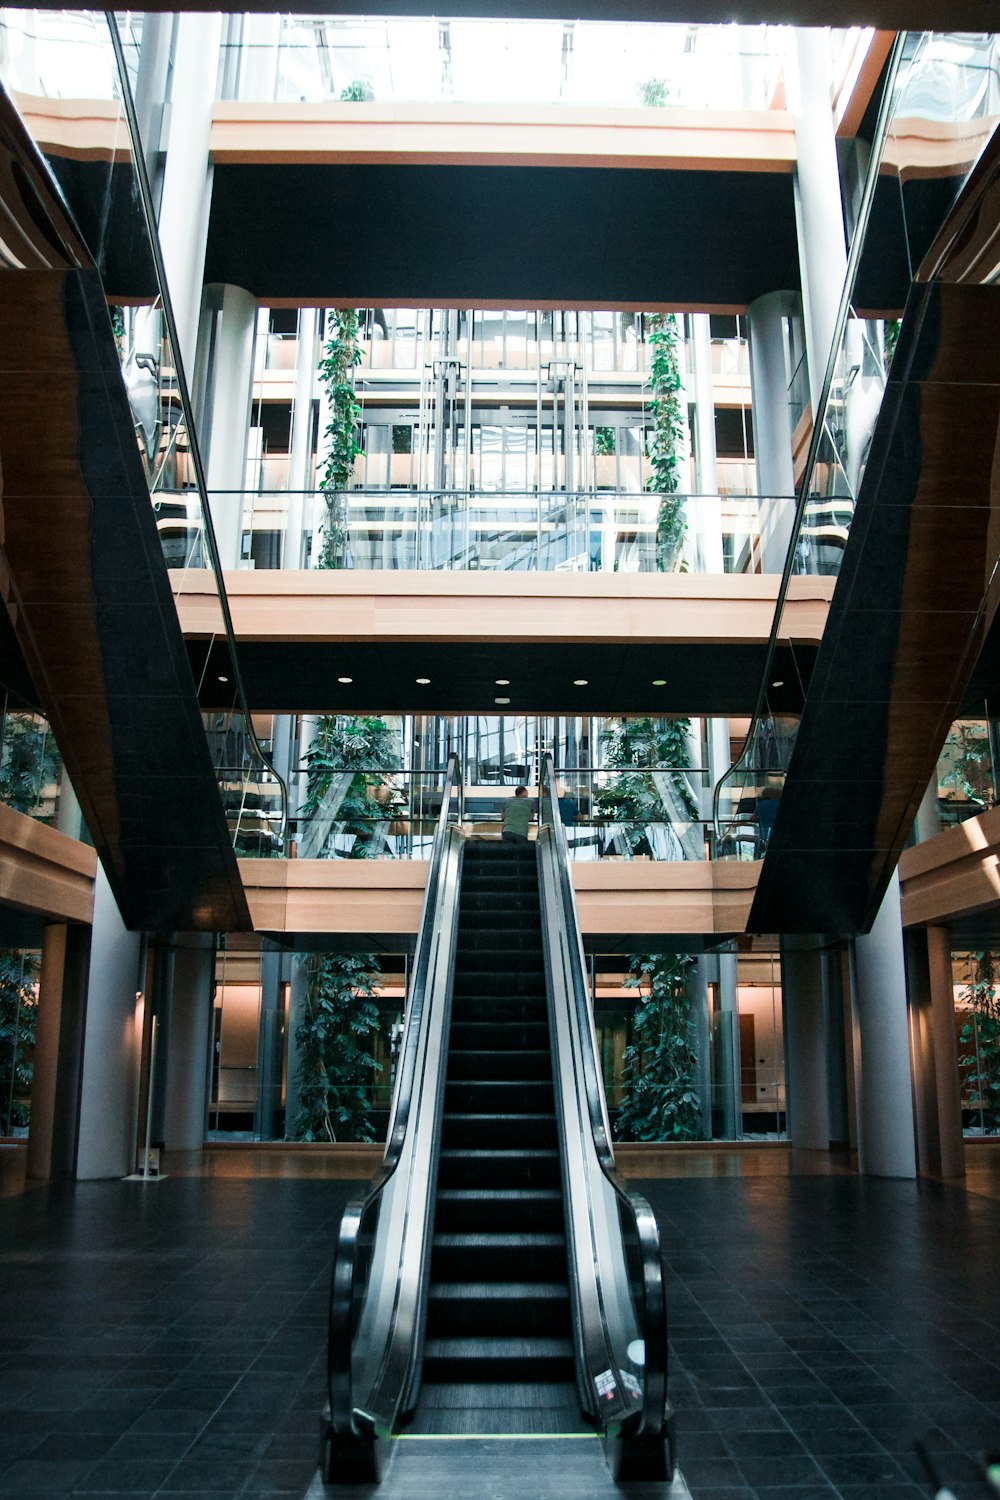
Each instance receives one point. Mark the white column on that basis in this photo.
(261, 41)
(818, 212)
(189, 1046)
(772, 428)
(805, 1031)
(231, 314)
(886, 1146)
(111, 1045)
(187, 175)
(69, 818)
(928, 820)
(301, 469)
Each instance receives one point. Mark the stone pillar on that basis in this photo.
(189, 1046)
(708, 515)
(151, 92)
(886, 1146)
(772, 427)
(951, 1145)
(804, 1024)
(231, 318)
(62, 1002)
(818, 212)
(301, 467)
(727, 1033)
(111, 1045)
(187, 175)
(837, 1090)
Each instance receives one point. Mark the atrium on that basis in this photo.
(396, 413)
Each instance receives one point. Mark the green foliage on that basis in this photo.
(890, 340)
(659, 1102)
(29, 763)
(967, 755)
(358, 91)
(18, 1013)
(636, 748)
(345, 742)
(336, 1067)
(341, 354)
(980, 1064)
(668, 436)
(653, 93)
(118, 326)
(604, 441)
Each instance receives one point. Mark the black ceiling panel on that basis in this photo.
(502, 234)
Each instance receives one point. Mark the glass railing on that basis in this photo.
(461, 530)
(373, 813)
(30, 763)
(362, 59)
(932, 78)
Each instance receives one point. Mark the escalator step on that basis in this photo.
(497, 1359)
(499, 1036)
(462, 1308)
(498, 1008)
(498, 1130)
(472, 1209)
(502, 1169)
(507, 1096)
(527, 1065)
(498, 1257)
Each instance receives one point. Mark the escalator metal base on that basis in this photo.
(351, 1461)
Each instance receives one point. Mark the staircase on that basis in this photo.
(498, 1355)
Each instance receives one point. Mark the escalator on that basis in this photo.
(498, 1277)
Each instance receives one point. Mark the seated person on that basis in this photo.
(516, 817)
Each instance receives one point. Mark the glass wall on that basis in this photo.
(30, 763)
(976, 980)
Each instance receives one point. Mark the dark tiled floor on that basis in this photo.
(168, 1338)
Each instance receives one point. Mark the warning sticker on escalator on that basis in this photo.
(605, 1385)
(631, 1384)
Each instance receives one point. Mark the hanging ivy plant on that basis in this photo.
(341, 354)
(665, 444)
(30, 761)
(18, 1013)
(980, 1035)
(336, 1067)
(636, 749)
(659, 1101)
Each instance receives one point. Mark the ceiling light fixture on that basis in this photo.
(579, 681)
(779, 682)
(659, 682)
(223, 679)
(423, 681)
(503, 682)
(501, 700)
(345, 679)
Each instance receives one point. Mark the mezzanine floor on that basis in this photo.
(167, 1338)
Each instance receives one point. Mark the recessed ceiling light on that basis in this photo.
(223, 679)
(659, 682)
(345, 679)
(780, 682)
(501, 700)
(423, 681)
(503, 682)
(579, 682)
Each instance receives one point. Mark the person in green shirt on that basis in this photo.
(516, 817)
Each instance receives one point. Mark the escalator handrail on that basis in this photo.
(879, 140)
(343, 1412)
(652, 1315)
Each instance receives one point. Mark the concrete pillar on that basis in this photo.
(701, 1041)
(886, 1146)
(804, 1025)
(230, 322)
(301, 467)
(274, 970)
(187, 174)
(837, 1092)
(818, 211)
(189, 1045)
(772, 428)
(727, 1034)
(152, 81)
(951, 1145)
(62, 1002)
(918, 996)
(708, 512)
(69, 818)
(112, 1036)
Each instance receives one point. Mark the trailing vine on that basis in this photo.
(659, 1102)
(29, 763)
(18, 1012)
(341, 355)
(980, 1035)
(336, 1068)
(667, 439)
(637, 748)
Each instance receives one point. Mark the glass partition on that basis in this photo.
(19, 971)
(942, 88)
(30, 763)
